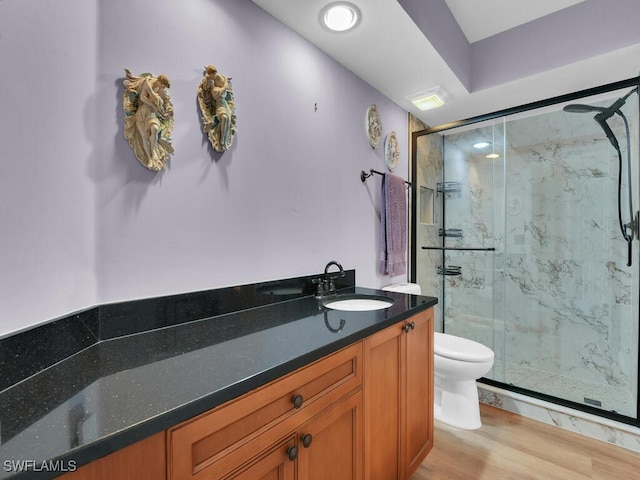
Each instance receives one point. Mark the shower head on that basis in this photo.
(581, 108)
(601, 118)
(604, 113)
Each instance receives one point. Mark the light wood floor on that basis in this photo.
(511, 447)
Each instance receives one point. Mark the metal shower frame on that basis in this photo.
(413, 219)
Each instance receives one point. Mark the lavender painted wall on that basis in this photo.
(581, 31)
(282, 202)
(47, 234)
(440, 27)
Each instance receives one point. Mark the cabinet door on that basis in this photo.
(383, 357)
(419, 394)
(330, 445)
(217, 442)
(398, 398)
(144, 459)
(273, 465)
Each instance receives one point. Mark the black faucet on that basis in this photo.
(330, 278)
(327, 284)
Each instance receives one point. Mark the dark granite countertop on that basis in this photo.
(120, 390)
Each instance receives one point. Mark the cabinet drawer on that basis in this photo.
(215, 443)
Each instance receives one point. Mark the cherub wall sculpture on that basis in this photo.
(215, 98)
(148, 118)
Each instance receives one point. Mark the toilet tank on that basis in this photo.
(411, 288)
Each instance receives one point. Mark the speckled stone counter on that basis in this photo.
(119, 388)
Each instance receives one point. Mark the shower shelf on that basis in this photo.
(490, 249)
(449, 188)
(450, 232)
(451, 270)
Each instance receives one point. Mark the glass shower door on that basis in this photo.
(571, 300)
(472, 269)
(527, 252)
(533, 263)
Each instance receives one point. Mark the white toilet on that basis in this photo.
(411, 288)
(458, 363)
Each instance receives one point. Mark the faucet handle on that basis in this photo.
(320, 286)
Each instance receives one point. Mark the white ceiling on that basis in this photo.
(384, 48)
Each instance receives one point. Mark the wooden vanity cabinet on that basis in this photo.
(310, 403)
(364, 412)
(142, 460)
(326, 447)
(274, 464)
(333, 442)
(398, 396)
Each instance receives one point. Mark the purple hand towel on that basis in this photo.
(393, 231)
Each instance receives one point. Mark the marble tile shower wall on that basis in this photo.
(429, 170)
(556, 300)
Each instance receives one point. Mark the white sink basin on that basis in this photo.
(358, 303)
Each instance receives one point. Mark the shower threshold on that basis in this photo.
(608, 398)
(577, 421)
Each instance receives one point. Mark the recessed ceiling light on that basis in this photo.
(429, 98)
(481, 145)
(340, 16)
(493, 155)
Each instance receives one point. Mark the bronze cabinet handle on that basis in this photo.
(307, 438)
(292, 453)
(297, 401)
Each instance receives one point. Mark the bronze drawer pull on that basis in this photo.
(297, 401)
(292, 453)
(307, 438)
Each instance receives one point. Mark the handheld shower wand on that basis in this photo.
(604, 113)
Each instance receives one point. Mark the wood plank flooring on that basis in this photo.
(511, 447)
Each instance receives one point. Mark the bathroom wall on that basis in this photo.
(47, 125)
(82, 222)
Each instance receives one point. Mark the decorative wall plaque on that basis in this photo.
(373, 125)
(217, 107)
(391, 151)
(148, 120)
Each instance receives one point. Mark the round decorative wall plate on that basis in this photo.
(391, 151)
(373, 124)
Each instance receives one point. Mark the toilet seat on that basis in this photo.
(462, 349)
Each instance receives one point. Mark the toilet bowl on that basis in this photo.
(458, 363)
